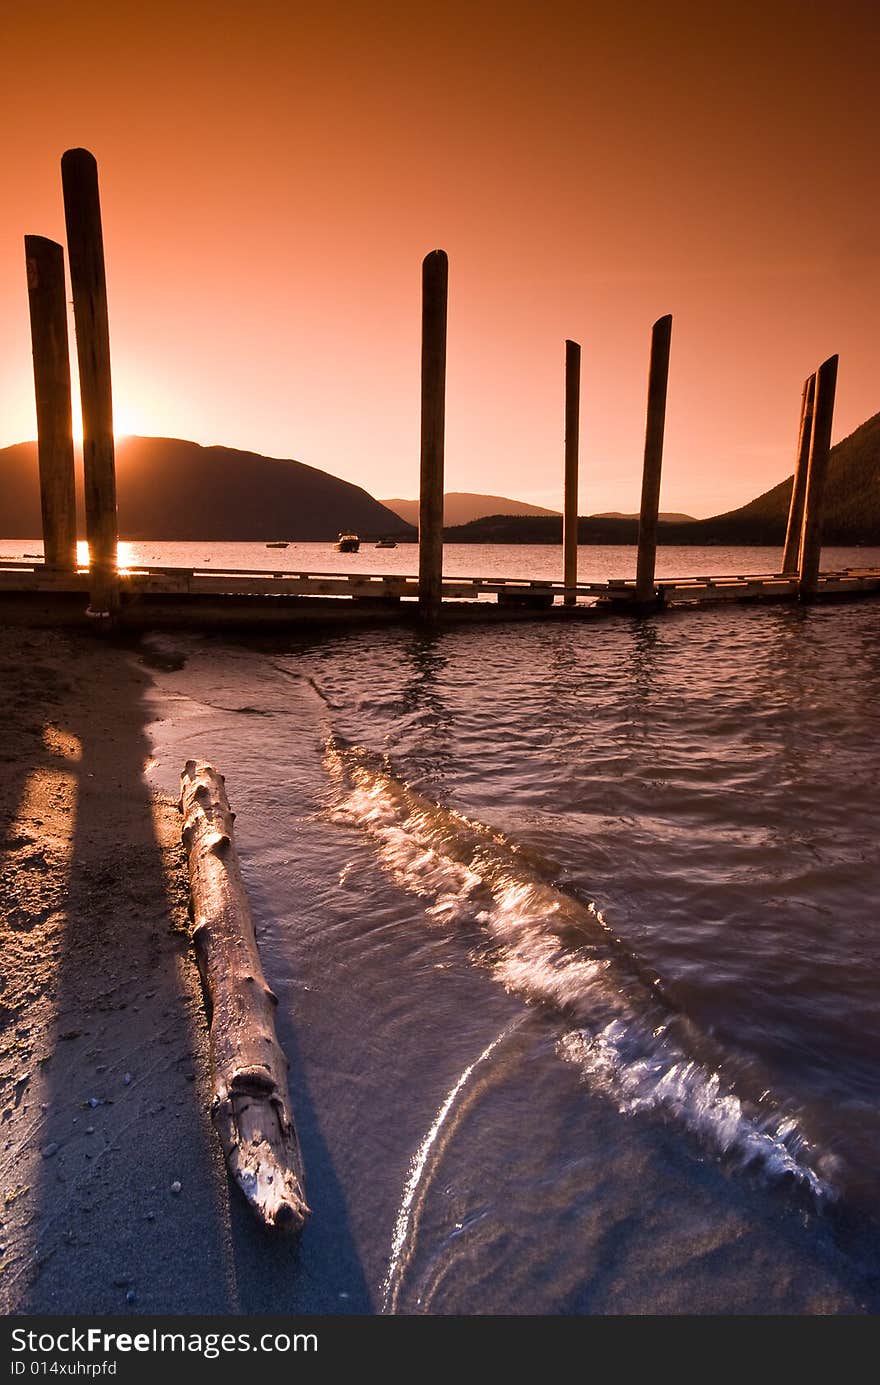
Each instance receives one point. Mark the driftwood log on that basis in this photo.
(251, 1107)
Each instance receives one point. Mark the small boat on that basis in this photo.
(387, 543)
(279, 543)
(347, 543)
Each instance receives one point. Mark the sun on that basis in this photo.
(124, 423)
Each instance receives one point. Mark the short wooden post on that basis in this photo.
(85, 249)
(48, 311)
(570, 499)
(791, 551)
(658, 376)
(435, 278)
(814, 499)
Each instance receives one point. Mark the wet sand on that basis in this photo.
(103, 1055)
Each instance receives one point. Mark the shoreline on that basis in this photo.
(100, 984)
(103, 1038)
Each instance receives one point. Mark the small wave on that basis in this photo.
(641, 1074)
(558, 951)
(407, 1217)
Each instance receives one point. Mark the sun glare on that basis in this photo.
(124, 424)
(125, 555)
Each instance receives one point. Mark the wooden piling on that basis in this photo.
(85, 249)
(570, 500)
(47, 300)
(814, 499)
(791, 550)
(658, 376)
(435, 278)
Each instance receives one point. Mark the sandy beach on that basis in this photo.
(114, 1192)
(462, 1154)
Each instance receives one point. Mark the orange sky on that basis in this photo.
(272, 174)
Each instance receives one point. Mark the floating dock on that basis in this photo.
(151, 597)
(58, 589)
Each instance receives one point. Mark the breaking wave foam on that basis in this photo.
(655, 1077)
(558, 951)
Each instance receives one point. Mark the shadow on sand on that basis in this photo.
(124, 1203)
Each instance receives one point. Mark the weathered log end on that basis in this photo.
(263, 1156)
(251, 1107)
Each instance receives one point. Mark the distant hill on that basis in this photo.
(460, 507)
(852, 498)
(852, 511)
(171, 489)
(667, 516)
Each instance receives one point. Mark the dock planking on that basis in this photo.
(195, 596)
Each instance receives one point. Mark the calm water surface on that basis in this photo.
(596, 562)
(575, 935)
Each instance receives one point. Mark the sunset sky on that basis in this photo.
(272, 175)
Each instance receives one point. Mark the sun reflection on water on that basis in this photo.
(125, 556)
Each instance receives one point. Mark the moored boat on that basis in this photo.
(347, 543)
(387, 543)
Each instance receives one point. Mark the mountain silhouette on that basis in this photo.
(168, 488)
(172, 489)
(668, 516)
(851, 512)
(460, 507)
(852, 497)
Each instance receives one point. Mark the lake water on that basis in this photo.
(596, 562)
(574, 930)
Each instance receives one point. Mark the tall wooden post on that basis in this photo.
(47, 299)
(435, 279)
(820, 448)
(570, 500)
(791, 550)
(85, 249)
(658, 376)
